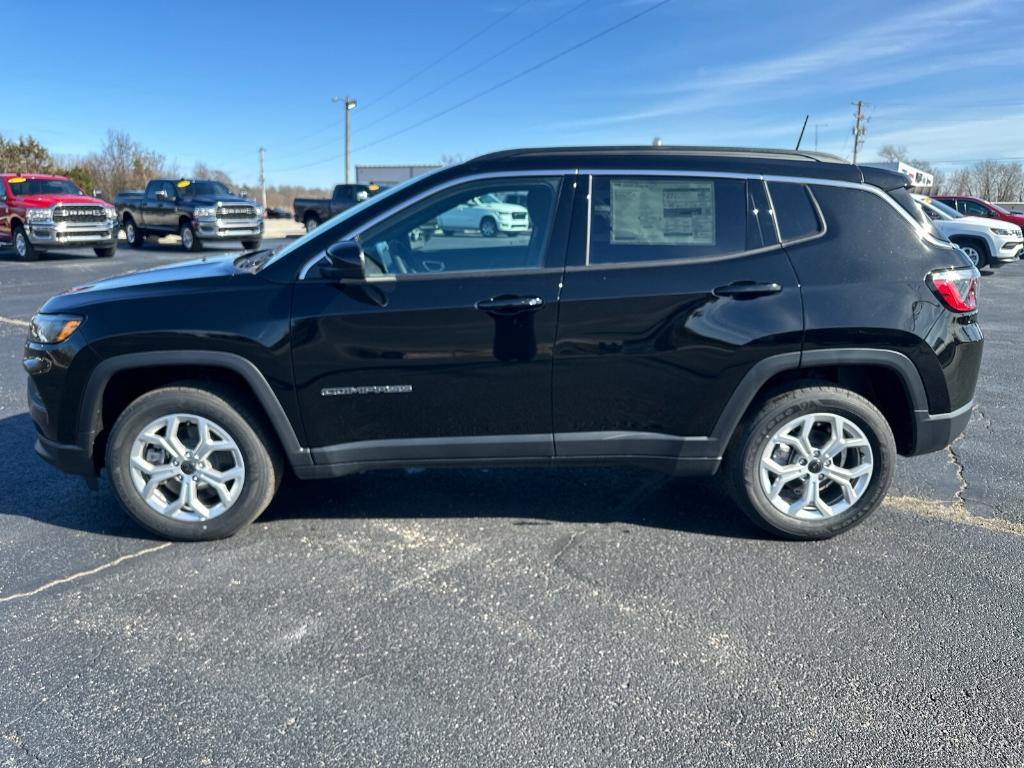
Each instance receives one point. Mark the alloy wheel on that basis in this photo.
(972, 253)
(21, 244)
(187, 467)
(816, 466)
(187, 239)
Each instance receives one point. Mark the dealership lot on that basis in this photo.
(593, 616)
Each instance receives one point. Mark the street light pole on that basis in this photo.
(349, 106)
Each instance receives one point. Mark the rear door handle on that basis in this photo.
(511, 304)
(746, 289)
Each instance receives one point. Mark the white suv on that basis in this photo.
(987, 242)
(486, 214)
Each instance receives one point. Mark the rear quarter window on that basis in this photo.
(795, 211)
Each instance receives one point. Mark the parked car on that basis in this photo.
(699, 312)
(40, 212)
(985, 242)
(975, 206)
(278, 213)
(487, 214)
(314, 211)
(197, 210)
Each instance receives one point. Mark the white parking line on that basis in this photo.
(14, 321)
(83, 574)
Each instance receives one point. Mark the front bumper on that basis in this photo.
(229, 229)
(1010, 250)
(51, 235)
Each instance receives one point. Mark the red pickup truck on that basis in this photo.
(39, 212)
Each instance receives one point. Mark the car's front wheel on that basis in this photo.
(105, 253)
(975, 251)
(23, 246)
(812, 462)
(488, 226)
(251, 245)
(192, 463)
(189, 239)
(131, 233)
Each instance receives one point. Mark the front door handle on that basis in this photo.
(508, 305)
(747, 289)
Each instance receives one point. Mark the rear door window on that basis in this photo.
(645, 218)
(795, 211)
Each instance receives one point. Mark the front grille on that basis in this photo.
(79, 213)
(236, 212)
(518, 215)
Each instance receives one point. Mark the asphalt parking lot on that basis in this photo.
(514, 617)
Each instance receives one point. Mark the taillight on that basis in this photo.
(956, 288)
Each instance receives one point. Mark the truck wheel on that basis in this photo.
(192, 463)
(311, 222)
(189, 239)
(488, 226)
(811, 462)
(976, 251)
(105, 253)
(23, 246)
(131, 233)
(251, 245)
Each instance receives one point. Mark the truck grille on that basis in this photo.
(79, 213)
(236, 212)
(518, 215)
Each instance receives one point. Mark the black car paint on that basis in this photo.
(319, 210)
(643, 364)
(158, 216)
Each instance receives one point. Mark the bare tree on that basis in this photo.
(123, 164)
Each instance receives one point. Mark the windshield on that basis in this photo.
(44, 187)
(489, 198)
(997, 208)
(206, 188)
(344, 215)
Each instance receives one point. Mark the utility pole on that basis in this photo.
(858, 129)
(263, 180)
(349, 105)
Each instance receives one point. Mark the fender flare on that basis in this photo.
(92, 398)
(764, 370)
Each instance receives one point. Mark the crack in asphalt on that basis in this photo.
(16, 739)
(960, 496)
(82, 574)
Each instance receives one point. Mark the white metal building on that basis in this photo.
(389, 175)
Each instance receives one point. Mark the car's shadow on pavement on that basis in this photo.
(31, 488)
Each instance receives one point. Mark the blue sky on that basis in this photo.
(213, 81)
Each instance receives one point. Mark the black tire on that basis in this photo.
(743, 460)
(972, 247)
(132, 235)
(105, 253)
(488, 226)
(252, 245)
(311, 222)
(258, 446)
(189, 237)
(23, 247)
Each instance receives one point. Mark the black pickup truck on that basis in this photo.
(313, 211)
(194, 209)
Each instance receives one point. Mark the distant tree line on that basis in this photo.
(992, 180)
(123, 163)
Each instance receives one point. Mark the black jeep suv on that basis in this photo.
(786, 320)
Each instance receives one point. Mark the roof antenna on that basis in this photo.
(806, 118)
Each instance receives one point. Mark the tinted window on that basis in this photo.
(661, 218)
(469, 229)
(44, 187)
(794, 210)
(206, 188)
(972, 208)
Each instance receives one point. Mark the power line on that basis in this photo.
(446, 55)
(490, 89)
(476, 67)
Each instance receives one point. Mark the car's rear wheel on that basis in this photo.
(131, 233)
(189, 238)
(105, 253)
(251, 245)
(811, 462)
(192, 463)
(311, 222)
(488, 226)
(23, 246)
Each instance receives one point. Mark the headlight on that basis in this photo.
(205, 213)
(259, 211)
(111, 214)
(39, 214)
(53, 329)
(1003, 232)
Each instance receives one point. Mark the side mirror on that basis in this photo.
(98, 193)
(345, 261)
(161, 194)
